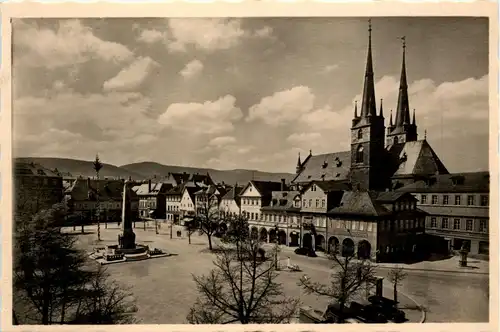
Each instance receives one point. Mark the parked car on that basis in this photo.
(367, 313)
(305, 252)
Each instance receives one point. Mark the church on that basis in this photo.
(372, 217)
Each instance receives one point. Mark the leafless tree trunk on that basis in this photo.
(241, 288)
(396, 276)
(208, 218)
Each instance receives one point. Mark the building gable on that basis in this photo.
(418, 158)
(250, 191)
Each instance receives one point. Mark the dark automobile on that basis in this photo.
(367, 313)
(305, 252)
(388, 308)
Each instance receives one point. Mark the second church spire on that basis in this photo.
(368, 107)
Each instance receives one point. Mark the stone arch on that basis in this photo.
(281, 237)
(294, 239)
(347, 247)
(320, 242)
(364, 249)
(307, 241)
(263, 235)
(333, 244)
(272, 235)
(254, 233)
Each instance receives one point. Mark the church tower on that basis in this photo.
(404, 129)
(367, 135)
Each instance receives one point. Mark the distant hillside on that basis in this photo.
(81, 167)
(151, 169)
(146, 170)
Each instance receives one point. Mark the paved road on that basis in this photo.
(448, 297)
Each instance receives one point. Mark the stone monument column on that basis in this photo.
(127, 238)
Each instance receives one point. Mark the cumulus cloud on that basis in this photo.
(70, 43)
(222, 141)
(131, 77)
(192, 69)
(283, 107)
(151, 36)
(203, 33)
(301, 138)
(210, 117)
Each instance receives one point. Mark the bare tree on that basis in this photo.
(348, 279)
(396, 276)
(207, 216)
(241, 288)
(191, 226)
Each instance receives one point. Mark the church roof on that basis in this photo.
(417, 158)
(325, 167)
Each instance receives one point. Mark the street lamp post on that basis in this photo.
(97, 167)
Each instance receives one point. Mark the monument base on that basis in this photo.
(114, 254)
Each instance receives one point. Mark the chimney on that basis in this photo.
(149, 185)
(283, 184)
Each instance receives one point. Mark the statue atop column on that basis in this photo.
(126, 240)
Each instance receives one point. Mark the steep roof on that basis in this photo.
(360, 203)
(328, 186)
(325, 167)
(416, 158)
(453, 211)
(108, 190)
(234, 194)
(265, 188)
(176, 190)
(32, 169)
(282, 201)
(393, 196)
(473, 182)
(143, 189)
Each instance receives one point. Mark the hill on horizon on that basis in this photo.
(149, 170)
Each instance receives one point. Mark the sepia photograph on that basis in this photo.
(251, 170)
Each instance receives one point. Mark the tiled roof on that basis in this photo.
(156, 188)
(456, 211)
(177, 190)
(331, 166)
(328, 186)
(392, 196)
(265, 188)
(108, 190)
(234, 193)
(25, 169)
(282, 201)
(477, 182)
(417, 158)
(361, 203)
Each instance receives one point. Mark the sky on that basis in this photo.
(232, 93)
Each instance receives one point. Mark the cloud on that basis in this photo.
(131, 77)
(300, 139)
(330, 68)
(264, 32)
(283, 107)
(210, 117)
(152, 36)
(192, 69)
(72, 43)
(203, 33)
(222, 141)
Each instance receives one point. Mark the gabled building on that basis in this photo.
(173, 202)
(231, 202)
(457, 207)
(187, 205)
(257, 194)
(209, 198)
(152, 199)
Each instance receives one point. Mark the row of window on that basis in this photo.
(401, 225)
(445, 200)
(458, 224)
(406, 205)
(103, 205)
(143, 204)
(172, 208)
(310, 205)
(250, 201)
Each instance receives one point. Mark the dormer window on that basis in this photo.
(360, 134)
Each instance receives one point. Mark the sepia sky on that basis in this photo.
(240, 93)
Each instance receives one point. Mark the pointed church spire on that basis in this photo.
(368, 107)
(414, 122)
(381, 108)
(390, 123)
(299, 163)
(355, 109)
(403, 108)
